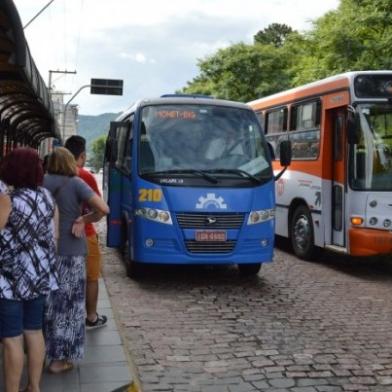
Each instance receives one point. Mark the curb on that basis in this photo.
(132, 387)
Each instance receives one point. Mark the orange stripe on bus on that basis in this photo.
(320, 88)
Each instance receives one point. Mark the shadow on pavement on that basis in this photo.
(369, 268)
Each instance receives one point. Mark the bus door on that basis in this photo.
(338, 178)
(112, 181)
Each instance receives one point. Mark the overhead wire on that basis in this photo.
(38, 14)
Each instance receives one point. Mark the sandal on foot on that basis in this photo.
(66, 367)
(100, 321)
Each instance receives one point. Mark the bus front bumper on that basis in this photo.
(170, 252)
(370, 242)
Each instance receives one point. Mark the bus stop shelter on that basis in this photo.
(26, 113)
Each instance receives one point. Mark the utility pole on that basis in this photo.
(66, 107)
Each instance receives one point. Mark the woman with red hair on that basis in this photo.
(27, 266)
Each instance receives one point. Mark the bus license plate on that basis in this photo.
(209, 235)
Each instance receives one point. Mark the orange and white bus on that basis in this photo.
(337, 193)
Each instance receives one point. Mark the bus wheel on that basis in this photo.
(249, 269)
(124, 240)
(302, 234)
(134, 269)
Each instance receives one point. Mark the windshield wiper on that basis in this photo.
(202, 173)
(239, 172)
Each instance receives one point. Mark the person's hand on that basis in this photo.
(78, 227)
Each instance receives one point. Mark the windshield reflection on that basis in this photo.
(192, 138)
(371, 156)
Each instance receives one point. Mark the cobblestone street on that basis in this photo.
(298, 326)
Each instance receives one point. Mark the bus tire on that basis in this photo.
(124, 239)
(249, 269)
(302, 234)
(134, 269)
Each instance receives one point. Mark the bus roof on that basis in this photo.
(181, 99)
(321, 86)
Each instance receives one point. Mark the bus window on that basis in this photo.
(372, 160)
(305, 130)
(276, 121)
(305, 116)
(276, 125)
(338, 138)
(260, 117)
(122, 138)
(127, 155)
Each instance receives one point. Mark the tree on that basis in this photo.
(241, 73)
(275, 34)
(98, 151)
(357, 36)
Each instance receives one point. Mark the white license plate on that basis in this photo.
(210, 235)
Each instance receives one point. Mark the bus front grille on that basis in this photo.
(210, 221)
(210, 246)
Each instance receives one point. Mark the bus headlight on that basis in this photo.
(155, 215)
(261, 216)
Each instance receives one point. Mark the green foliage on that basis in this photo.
(97, 152)
(275, 34)
(355, 36)
(241, 72)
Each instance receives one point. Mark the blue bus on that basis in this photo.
(189, 181)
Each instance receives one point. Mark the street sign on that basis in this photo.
(106, 86)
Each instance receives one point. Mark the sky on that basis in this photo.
(153, 45)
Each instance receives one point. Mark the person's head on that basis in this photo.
(22, 168)
(77, 145)
(62, 162)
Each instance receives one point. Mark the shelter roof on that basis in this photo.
(25, 105)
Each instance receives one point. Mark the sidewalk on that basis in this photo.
(105, 366)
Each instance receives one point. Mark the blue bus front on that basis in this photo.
(200, 189)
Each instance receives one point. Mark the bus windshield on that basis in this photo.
(371, 156)
(217, 141)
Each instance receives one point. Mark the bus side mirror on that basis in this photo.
(353, 126)
(285, 153)
(285, 157)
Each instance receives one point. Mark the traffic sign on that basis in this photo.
(106, 86)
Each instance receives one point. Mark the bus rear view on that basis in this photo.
(189, 181)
